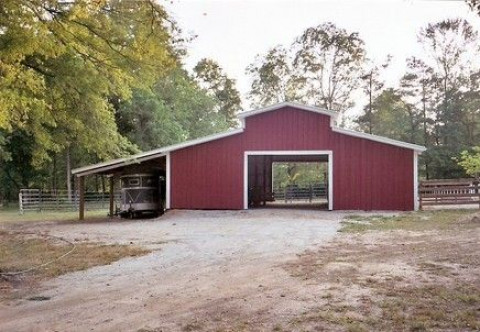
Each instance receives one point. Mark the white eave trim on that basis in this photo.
(323, 111)
(112, 164)
(380, 139)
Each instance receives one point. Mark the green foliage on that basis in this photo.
(174, 110)
(274, 78)
(437, 101)
(60, 61)
(391, 117)
(322, 67)
(470, 161)
(372, 85)
(299, 173)
(219, 86)
(17, 149)
(331, 59)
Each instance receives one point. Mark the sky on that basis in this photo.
(233, 32)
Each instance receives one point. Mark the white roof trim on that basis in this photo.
(143, 156)
(323, 111)
(380, 139)
(112, 164)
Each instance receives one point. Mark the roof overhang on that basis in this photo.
(148, 155)
(380, 139)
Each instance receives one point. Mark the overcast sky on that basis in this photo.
(232, 32)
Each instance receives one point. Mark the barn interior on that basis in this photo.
(288, 181)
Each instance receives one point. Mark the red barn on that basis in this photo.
(365, 172)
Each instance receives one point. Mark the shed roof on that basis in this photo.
(157, 153)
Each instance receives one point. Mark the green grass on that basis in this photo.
(412, 221)
(12, 215)
(22, 252)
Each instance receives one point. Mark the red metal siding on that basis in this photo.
(367, 175)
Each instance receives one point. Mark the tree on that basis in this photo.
(417, 87)
(474, 5)
(212, 77)
(174, 110)
(330, 59)
(274, 79)
(372, 85)
(391, 117)
(470, 161)
(452, 45)
(59, 61)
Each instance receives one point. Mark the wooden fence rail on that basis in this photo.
(449, 192)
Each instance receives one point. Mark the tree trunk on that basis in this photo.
(54, 173)
(69, 174)
(370, 117)
(424, 108)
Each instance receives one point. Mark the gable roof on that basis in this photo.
(157, 153)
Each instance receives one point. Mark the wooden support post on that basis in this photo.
(476, 182)
(420, 201)
(81, 192)
(111, 183)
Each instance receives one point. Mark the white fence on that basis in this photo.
(59, 200)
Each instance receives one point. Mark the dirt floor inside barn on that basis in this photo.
(263, 270)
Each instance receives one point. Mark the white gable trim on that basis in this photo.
(157, 153)
(380, 139)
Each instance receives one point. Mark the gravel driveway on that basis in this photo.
(203, 264)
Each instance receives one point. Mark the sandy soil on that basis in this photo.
(218, 270)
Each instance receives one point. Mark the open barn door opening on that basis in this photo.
(288, 179)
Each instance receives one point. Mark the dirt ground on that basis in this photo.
(418, 273)
(209, 270)
(267, 270)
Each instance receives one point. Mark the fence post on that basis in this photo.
(420, 197)
(81, 192)
(111, 196)
(476, 191)
(20, 202)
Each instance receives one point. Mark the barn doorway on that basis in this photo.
(288, 179)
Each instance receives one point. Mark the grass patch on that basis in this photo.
(412, 221)
(431, 307)
(19, 252)
(12, 215)
(424, 276)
